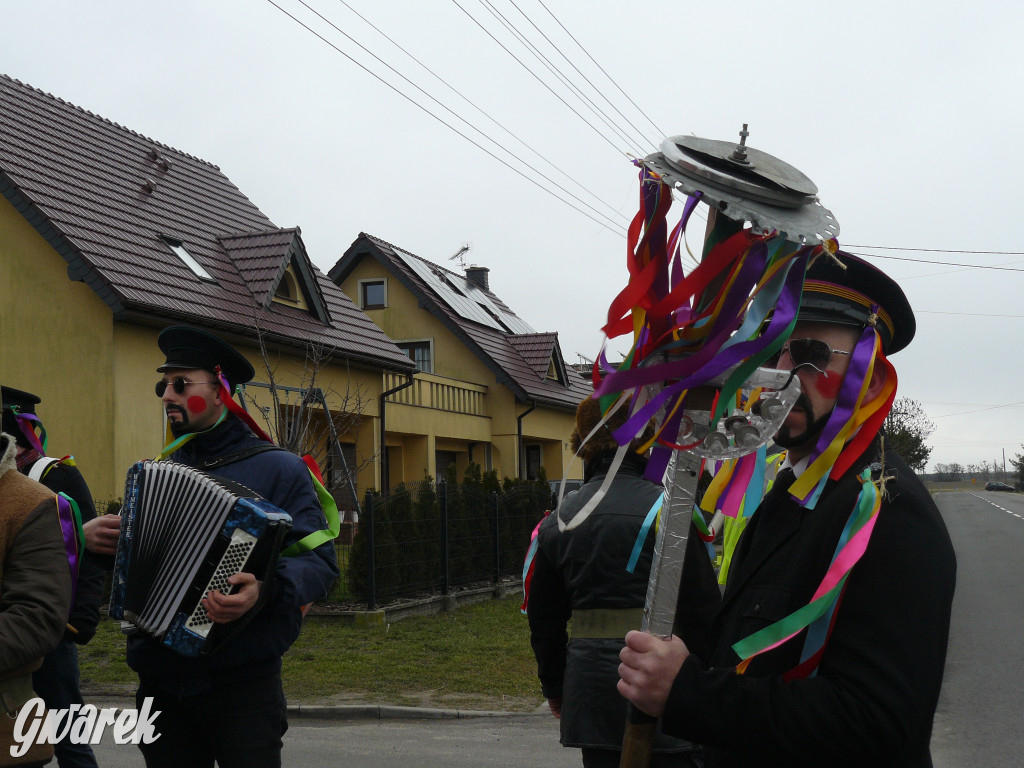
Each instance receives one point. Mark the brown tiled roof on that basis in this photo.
(536, 349)
(261, 258)
(106, 198)
(519, 360)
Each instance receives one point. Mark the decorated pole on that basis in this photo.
(704, 340)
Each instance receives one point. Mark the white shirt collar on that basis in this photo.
(798, 468)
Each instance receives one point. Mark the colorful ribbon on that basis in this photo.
(528, 563)
(26, 424)
(731, 313)
(70, 518)
(641, 537)
(849, 550)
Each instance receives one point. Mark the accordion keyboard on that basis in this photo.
(235, 556)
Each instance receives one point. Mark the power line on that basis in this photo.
(937, 263)
(966, 314)
(479, 109)
(936, 250)
(979, 410)
(597, 90)
(554, 70)
(452, 112)
(539, 79)
(446, 124)
(580, 46)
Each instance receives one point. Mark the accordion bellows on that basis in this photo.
(183, 533)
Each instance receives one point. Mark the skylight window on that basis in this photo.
(188, 260)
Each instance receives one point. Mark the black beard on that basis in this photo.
(179, 428)
(810, 434)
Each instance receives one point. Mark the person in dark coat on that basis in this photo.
(860, 684)
(35, 596)
(229, 707)
(582, 574)
(57, 680)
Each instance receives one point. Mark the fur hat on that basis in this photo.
(588, 416)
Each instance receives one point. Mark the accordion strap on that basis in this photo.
(231, 458)
(327, 503)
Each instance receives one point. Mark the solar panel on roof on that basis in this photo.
(465, 298)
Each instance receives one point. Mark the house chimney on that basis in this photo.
(478, 275)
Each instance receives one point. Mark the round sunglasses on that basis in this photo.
(178, 384)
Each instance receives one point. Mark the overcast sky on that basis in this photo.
(909, 122)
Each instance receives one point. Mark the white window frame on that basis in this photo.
(430, 344)
(362, 295)
(178, 248)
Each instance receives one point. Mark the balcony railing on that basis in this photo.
(429, 390)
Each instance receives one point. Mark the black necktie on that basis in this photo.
(783, 481)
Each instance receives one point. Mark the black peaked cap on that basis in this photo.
(188, 347)
(852, 295)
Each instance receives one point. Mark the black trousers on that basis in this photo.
(236, 725)
(56, 681)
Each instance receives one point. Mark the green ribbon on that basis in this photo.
(315, 539)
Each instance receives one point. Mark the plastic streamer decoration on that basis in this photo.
(820, 611)
(700, 340)
(27, 423)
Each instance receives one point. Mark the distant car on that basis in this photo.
(994, 486)
(570, 486)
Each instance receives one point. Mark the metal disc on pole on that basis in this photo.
(747, 184)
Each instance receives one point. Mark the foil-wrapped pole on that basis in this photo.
(669, 549)
(662, 591)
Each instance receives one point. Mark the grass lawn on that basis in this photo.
(477, 657)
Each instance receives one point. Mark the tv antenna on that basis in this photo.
(459, 254)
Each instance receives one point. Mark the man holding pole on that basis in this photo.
(830, 640)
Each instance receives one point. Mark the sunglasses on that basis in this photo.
(178, 384)
(813, 352)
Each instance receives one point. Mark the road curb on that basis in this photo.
(389, 712)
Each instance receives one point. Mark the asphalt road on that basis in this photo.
(977, 723)
(979, 714)
(524, 741)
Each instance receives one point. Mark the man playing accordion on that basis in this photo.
(229, 706)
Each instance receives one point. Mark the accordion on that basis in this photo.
(183, 534)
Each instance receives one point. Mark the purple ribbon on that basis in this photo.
(25, 422)
(66, 515)
(849, 393)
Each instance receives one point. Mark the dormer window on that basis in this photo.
(553, 370)
(288, 291)
(187, 259)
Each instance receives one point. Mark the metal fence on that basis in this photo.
(427, 538)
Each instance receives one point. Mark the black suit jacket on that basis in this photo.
(873, 698)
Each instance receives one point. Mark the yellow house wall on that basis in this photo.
(57, 341)
(404, 320)
(95, 375)
(139, 421)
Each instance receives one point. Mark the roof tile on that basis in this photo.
(81, 181)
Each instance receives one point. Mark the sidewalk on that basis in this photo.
(350, 711)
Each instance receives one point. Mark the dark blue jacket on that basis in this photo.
(283, 479)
